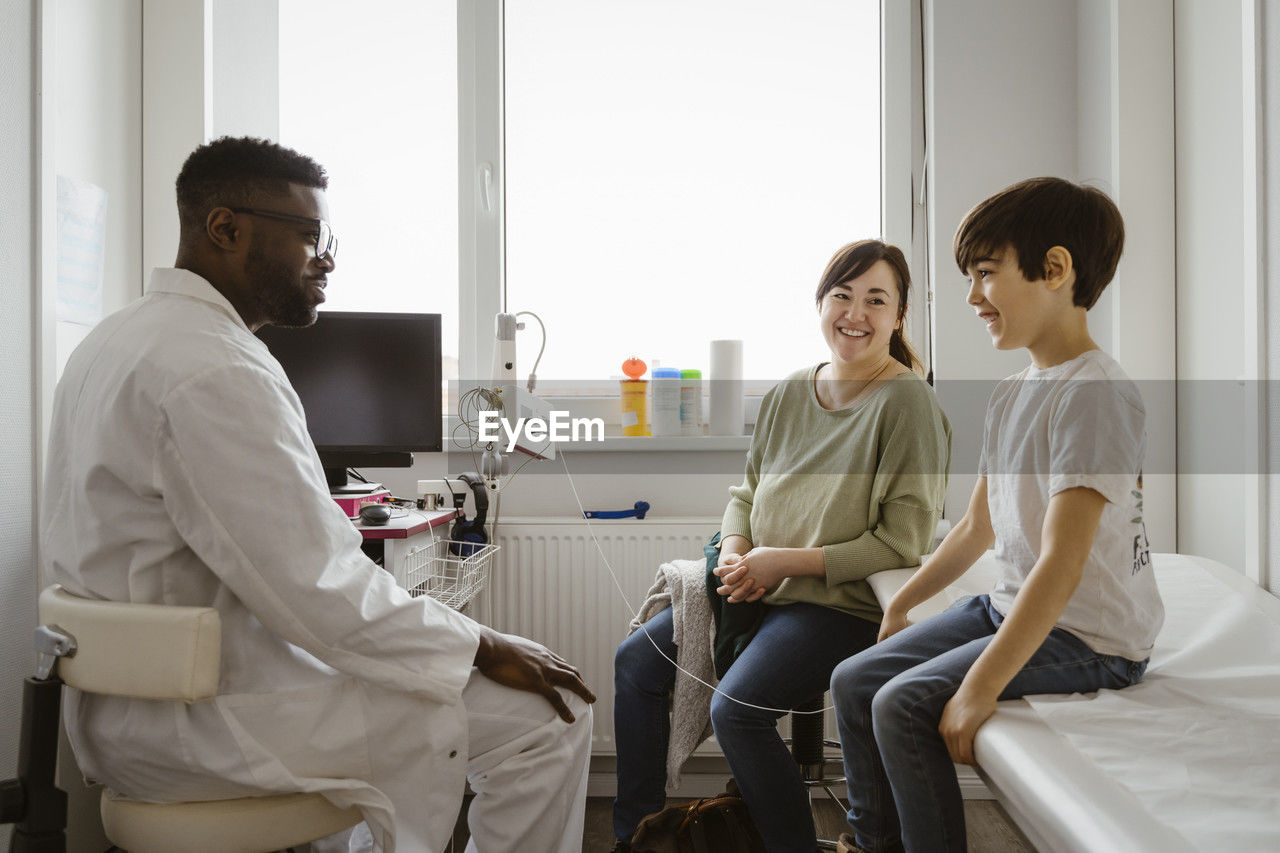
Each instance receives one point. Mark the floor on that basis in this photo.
(989, 828)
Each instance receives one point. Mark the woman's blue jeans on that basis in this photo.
(903, 791)
(789, 661)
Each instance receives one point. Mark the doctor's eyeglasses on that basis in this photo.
(326, 242)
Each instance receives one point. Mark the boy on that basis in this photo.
(1076, 607)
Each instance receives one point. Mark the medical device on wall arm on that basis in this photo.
(510, 400)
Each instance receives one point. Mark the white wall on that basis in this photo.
(246, 69)
(96, 61)
(177, 112)
(1081, 90)
(1126, 148)
(1094, 107)
(17, 261)
(1001, 106)
(1271, 248)
(1212, 309)
(98, 127)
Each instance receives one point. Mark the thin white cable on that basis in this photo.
(533, 374)
(636, 616)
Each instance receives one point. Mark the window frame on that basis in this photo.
(481, 176)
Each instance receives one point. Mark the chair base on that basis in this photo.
(243, 825)
(815, 776)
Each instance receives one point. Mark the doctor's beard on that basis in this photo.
(283, 294)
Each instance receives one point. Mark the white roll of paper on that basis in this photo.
(726, 388)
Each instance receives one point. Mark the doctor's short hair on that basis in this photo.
(1032, 217)
(856, 258)
(239, 172)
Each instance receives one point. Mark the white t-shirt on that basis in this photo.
(1080, 423)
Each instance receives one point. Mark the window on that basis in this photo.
(646, 175)
(680, 172)
(374, 97)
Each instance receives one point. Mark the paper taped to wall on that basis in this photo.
(82, 237)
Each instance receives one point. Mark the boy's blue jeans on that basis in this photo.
(903, 791)
(789, 661)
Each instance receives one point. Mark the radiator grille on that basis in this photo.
(550, 584)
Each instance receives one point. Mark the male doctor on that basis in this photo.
(180, 472)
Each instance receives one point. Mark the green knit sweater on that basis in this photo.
(866, 484)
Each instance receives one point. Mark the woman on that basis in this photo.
(845, 477)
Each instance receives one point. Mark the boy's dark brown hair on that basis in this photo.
(852, 261)
(1035, 215)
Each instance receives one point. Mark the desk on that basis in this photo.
(403, 537)
(415, 521)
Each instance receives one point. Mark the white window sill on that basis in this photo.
(607, 409)
(664, 443)
(644, 444)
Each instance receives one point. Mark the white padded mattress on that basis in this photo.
(1187, 760)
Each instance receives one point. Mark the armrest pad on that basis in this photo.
(885, 584)
(146, 651)
(979, 579)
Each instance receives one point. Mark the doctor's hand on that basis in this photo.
(516, 662)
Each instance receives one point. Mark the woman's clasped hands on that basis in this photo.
(747, 577)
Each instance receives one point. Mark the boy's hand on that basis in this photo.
(894, 621)
(1069, 527)
(962, 716)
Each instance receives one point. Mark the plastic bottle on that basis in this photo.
(664, 390)
(691, 402)
(634, 398)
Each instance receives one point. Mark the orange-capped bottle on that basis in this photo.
(634, 395)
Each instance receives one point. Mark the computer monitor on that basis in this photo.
(369, 384)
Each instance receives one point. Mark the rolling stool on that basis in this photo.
(809, 748)
(146, 651)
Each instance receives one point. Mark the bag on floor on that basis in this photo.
(719, 824)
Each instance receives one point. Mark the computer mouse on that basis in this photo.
(375, 514)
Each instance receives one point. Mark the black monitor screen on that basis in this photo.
(368, 382)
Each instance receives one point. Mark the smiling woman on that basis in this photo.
(862, 303)
(845, 477)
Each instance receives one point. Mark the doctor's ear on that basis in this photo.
(1058, 267)
(220, 226)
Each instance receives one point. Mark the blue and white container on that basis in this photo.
(664, 409)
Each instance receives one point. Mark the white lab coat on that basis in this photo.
(180, 472)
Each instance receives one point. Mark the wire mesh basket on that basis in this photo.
(451, 572)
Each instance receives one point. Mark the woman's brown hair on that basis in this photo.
(855, 259)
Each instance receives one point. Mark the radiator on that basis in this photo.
(550, 584)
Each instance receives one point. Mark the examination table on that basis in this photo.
(1187, 760)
